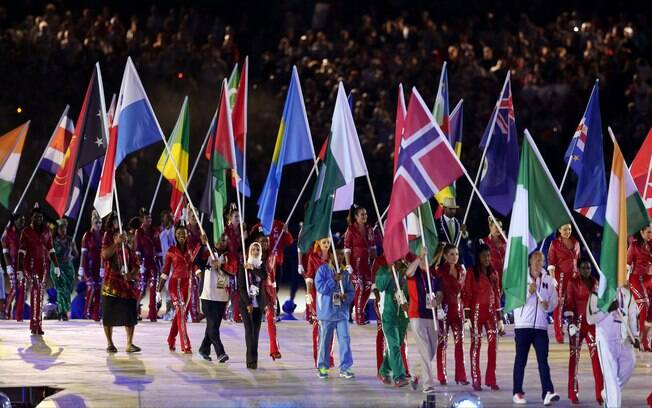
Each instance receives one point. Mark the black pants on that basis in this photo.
(214, 312)
(252, 330)
(525, 338)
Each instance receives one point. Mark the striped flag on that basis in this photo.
(625, 215)
(55, 151)
(11, 148)
(642, 171)
(239, 120)
(179, 143)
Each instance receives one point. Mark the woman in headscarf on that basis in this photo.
(252, 300)
(65, 250)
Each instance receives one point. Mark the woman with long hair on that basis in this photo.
(65, 250)
(359, 253)
(639, 262)
(563, 254)
(482, 309)
(252, 300)
(452, 277)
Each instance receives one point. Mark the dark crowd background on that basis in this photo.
(555, 51)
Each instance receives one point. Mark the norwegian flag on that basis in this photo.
(426, 164)
(585, 155)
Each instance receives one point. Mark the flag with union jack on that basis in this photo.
(426, 164)
(587, 162)
(500, 167)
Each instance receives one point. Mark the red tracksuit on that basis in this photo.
(639, 257)
(273, 262)
(10, 243)
(181, 263)
(497, 247)
(564, 260)
(482, 300)
(234, 253)
(194, 238)
(361, 246)
(315, 260)
(33, 255)
(577, 296)
(91, 261)
(379, 262)
(452, 288)
(148, 249)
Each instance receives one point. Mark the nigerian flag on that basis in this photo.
(538, 211)
(343, 163)
(625, 215)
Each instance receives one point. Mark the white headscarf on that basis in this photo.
(256, 262)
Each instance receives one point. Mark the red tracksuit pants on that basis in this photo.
(92, 299)
(362, 284)
(586, 333)
(36, 279)
(148, 283)
(178, 290)
(483, 319)
(17, 293)
(194, 301)
(454, 323)
(270, 317)
(641, 287)
(558, 319)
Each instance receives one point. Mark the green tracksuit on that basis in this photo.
(395, 322)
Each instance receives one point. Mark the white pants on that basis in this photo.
(617, 361)
(425, 333)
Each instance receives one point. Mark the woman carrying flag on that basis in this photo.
(563, 254)
(359, 253)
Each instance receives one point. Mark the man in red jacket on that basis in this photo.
(148, 252)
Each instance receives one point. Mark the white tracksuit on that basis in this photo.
(614, 345)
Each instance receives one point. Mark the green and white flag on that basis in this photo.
(625, 215)
(538, 211)
(342, 163)
(11, 148)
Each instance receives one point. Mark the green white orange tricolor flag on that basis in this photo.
(11, 148)
(625, 215)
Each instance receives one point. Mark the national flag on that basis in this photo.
(88, 143)
(343, 162)
(56, 149)
(89, 174)
(441, 114)
(456, 129)
(222, 158)
(239, 120)
(179, 143)
(587, 161)
(498, 182)
(110, 113)
(399, 128)
(232, 84)
(429, 229)
(293, 144)
(426, 164)
(344, 195)
(642, 172)
(538, 211)
(625, 215)
(11, 148)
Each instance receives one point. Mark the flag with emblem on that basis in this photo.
(426, 164)
(586, 157)
(642, 172)
(88, 143)
(500, 168)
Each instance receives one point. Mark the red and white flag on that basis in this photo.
(641, 170)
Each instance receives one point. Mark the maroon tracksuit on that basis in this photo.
(10, 243)
(639, 257)
(91, 261)
(452, 287)
(564, 259)
(361, 246)
(148, 249)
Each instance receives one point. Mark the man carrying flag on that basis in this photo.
(529, 290)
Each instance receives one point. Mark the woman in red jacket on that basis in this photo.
(320, 254)
(639, 262)
(497, 246)
(563, 255)
(359, 253)
(577, 296)
(452, 277)
(180, 260)
(482, 309)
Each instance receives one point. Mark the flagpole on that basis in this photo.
(81, 210)
(423, 242)
(31, 178)
(158, 185)
(570, 215)
(296, 202)
(482, 159)
(244, 152)
(117, 206)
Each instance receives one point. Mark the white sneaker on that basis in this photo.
(550, 398)
(519, 399)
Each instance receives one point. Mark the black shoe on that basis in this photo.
(204, 356)
(222, 358)
(133, 349)
(111, 349)
(252, 366)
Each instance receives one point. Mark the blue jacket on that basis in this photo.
(326, 286)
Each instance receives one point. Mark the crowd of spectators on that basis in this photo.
(47, 56)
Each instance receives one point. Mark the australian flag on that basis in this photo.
(500, 168)
(587, 161)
